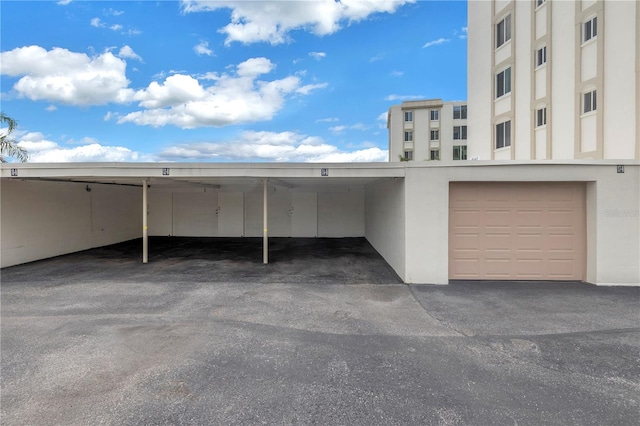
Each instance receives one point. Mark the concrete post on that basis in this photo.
(145, 228)
(265, 242)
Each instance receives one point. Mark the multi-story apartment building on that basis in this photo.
(552, 79)
(427, 129)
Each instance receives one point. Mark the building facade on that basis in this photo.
(554, 80)
(428, 130)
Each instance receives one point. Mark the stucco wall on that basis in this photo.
(612, 209)
(384, 221)
(45, 219)
(192, 212)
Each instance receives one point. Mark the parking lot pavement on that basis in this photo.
(135, 345)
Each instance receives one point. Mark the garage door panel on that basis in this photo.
(467, 268)
(468, 217)
(528, 217)
(532, 231)
(467, 241)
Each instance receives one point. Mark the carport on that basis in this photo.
(80, 206)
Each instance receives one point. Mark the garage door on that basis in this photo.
(517, 231)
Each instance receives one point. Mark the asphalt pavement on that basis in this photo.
(326, 334)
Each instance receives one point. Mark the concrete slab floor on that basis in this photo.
(98, 338)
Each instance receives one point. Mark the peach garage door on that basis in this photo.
(517, 231)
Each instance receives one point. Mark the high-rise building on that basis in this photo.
(554, 79)
(427, 130)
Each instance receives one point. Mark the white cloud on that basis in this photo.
(436, 42)
(113, 12)
(272, 21)
(382, 119)
(271, 146)
(342, 128)
(239, 95)
(128, 53)
(42, 150)
(317, 55)
(116, 27)
(62, 76)
(377, 58)
(402, 97)
(396, 73)
(203, 49)
(51, 108)
(96, 22)
(465, 31)
(308, 88)
(64, 2)
(232, 98)
(328, 120)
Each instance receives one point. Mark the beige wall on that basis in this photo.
(45, 219)
(384, 221)
(612, 208)
(339, 212)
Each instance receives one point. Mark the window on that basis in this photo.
(541, 117)
(408, 116)
(435, 135)
(460, 152)
(503, 82)
(460, 132)
(408, 136)
(590, 29)
(435, 154)
(408, 155)
(460, 112)
(541, 56)
(503, 134)
(589, 102)
(435, 115)
(503, 31)
(540, 2)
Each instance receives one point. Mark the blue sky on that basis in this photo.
(222, 81)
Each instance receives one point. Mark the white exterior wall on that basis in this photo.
(609, 63)
(385, 221)
(45, 219)
(479, 77)
(395, 122)
(201, 211)
(621, 112)
(613, 215)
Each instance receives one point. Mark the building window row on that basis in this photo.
(503, 31)
(435, 135)
(460, 132)
(541, 56)
(408, 155)
(503, 83)
(408, 116)
(503, 135)
(408, 136)
(460, 112)
(460, 152)
(434, 154)
(541, 117)
(435, 115)
(589, 102)
(590, 29)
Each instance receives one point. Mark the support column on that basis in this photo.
(145, 228)
(265, 239)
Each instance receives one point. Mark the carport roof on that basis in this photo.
(185, 174)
